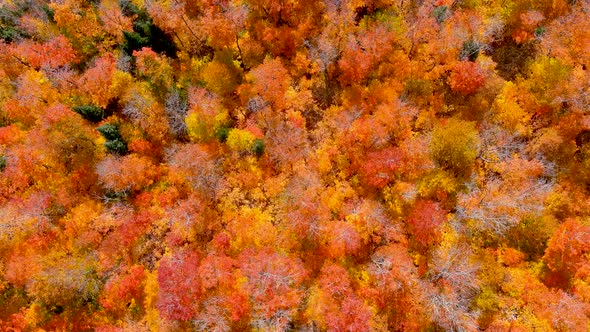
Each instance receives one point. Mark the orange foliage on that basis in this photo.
(271, 81)
(130, 172)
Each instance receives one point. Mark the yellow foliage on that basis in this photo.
(335, 196)
(6, 88)
(202, 127)
(509, 113)
(253, 227)
(454, 145)
(315, 307)
(79, 219)
(219, 78)
(34, 314)
(546, 74)
(151, 289)
(240, 140)
(531, 322)
(487, 300)
(324, 157)
(121, 83)
(437, 182)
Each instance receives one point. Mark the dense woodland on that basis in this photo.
(280, 165)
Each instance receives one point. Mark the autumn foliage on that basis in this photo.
(294, 165)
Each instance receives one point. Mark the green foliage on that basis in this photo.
(90, 112)
(455, 146)
(134, 41)
(373, 194)
(114, 143)
(530, 236)
(3, 163)
(470, 50)
(258, 147)
(128, 8)
(9, 27)
(116, 146)
(109, 131)
(221, 133)
(539, 31)
(146, 34)
(441, 13)
(49, 12)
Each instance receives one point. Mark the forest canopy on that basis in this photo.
(282, 165)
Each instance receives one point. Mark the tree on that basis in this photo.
(65, 281)
(504, 201)
(567, 43)
(363, 50)
(240, 140)
(455, 145)
(196, 165)
(176, 110)
(425, 220)
(94, 84)
(191, 220)
(154, 68)
(128, 173)
(55, 53)
(466, 78)
(454, 285)
(508, 112)
(380, 167)
(124, 291)
(115, 22)
(179, 283)
(90, 112)
(271, 80)
(567, 248)
(221, 75)
(273, 286)
(394, 279)
(114, 142)
(206, 115)
(334, 305)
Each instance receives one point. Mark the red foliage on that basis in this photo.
(466, 77)
(380, 167)
(180, 286)
(342, 239)
(353, 315)
(364, 51)
(55, 53)
(217, 271)
(424, 222)
(121, 289)
(342, 310)
(334, 280)
(274, 281)
(121, 240)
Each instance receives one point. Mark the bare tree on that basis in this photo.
(176, 110)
